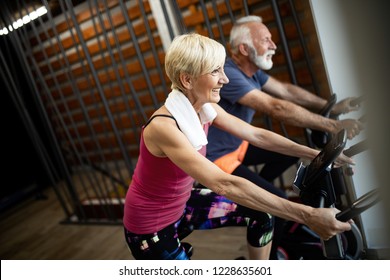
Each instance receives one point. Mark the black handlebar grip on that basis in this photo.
(347, 214)
(359, 206)
(356, 149)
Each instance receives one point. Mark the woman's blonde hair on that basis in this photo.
(194, 55)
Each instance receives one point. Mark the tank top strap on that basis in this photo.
(162, 115)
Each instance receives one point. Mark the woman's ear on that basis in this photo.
(186, 80)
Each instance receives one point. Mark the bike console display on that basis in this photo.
(323, 161)
(309, 180)
(307, 176)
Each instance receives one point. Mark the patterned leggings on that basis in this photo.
(205, 210)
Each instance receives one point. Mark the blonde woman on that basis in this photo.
(172, 156)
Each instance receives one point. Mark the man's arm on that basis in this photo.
(294, 94)
(306, 99)
(293, 114)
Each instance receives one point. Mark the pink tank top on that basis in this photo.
(157, 194)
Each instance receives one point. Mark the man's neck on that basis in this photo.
(245, 65)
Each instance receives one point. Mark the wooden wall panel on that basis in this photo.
(69, 89)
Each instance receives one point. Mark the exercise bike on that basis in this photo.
(314, 185)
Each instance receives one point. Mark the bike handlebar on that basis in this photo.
(359, 206)
(356, 149)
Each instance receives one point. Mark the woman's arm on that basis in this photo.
(167, 140)
(266, 139)
(260, 137)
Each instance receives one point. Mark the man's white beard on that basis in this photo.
(261, 61)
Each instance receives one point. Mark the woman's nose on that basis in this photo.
(224, 79)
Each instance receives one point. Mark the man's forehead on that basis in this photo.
(260, 29)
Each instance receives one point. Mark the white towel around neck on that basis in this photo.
(181, 109)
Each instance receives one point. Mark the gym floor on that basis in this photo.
(33, 231)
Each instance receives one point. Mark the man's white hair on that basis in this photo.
(240, 33)
(249, 19)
